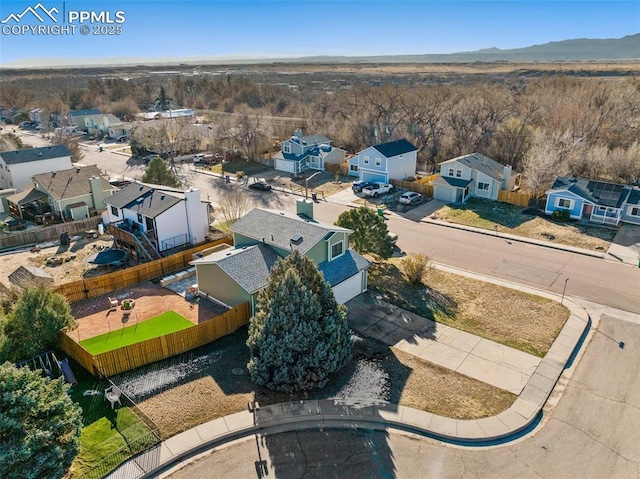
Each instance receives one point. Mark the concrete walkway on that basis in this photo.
(176, 451)
(465, 353)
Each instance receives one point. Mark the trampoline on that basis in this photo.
(110, 257)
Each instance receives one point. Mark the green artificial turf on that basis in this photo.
(165, 323)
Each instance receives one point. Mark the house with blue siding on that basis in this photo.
(236, 275)
(473, 175)
(312, 152)
(394, 160)
(595, 201)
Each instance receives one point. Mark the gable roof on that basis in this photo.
(447, 181)
(71, 183)
(395, 148)
(310, 140)
(25, 197)
(248, 266)
(277, 228)
(144, 199)
(88, 111)
(602, 193)
(34, 154)
(318, 150)
(481, 163)
(342, 268)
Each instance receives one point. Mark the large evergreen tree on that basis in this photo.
(299, 334)
(39, 425)
(158, 173)
(370, 233)
(33, 325)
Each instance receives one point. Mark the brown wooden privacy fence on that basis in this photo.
(515, 198)
(428, 179)
(423, 189)
(152, 350)
(48, 233)
(107, 283)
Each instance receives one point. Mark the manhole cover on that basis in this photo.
(237, 371)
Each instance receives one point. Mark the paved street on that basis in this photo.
(592, 433)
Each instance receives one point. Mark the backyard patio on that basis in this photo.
(97, 316)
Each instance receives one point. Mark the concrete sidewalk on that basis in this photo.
(182, 448)
(465, 353)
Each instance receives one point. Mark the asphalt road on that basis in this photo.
(592, 433)
(601, 281)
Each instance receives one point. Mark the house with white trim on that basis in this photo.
(595, 201)
(79, 117)
(300, 153)
(473, 175)
(236, 275)
(394, 160)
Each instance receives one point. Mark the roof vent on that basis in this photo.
(53, 174)
(296, 239)
(78, 169)
(162, 197)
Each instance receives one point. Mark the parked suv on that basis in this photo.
(410, 198)
(360, 185)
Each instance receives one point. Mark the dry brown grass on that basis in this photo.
(412, 382)
(519, 320)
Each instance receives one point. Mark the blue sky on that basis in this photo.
(160, 30)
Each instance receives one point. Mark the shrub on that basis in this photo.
(415, 266)
(239, 174)
(561, 215)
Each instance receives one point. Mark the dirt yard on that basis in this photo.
(73, 256)
(212, 382)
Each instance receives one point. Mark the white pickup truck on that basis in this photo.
(377, 189)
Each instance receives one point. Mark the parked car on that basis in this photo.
(122, 138)
(410, 198)
(360, 185)
(147, 159)
(260, 186)
(377, 189)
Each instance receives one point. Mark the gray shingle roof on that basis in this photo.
(601, 193)
(25, 197)
(143, 199)
(71, 183)
(89, 111)
(395, 148)
(342, 268)
(447, 181)
(277, 228)
(483, 164)
(34, 154)
(248, 266)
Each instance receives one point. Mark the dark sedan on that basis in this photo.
(260, 186)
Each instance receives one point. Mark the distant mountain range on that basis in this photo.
(583, 49)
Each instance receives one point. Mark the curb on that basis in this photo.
(523, 415)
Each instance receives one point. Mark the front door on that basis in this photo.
(587, 209)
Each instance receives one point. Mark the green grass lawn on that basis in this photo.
(108, 436)
(165, 323)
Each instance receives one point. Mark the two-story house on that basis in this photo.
(79, 118)
(394, 160)
(107, 124)
(18, 166)
(472, 175)
(165, 217)
(261, 237)
(300, 153)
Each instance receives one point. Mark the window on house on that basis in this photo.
(353, 167)
(139, 218)
(336, 250)
(365, 160)
(286, 147)
(458, 173)
(114, 211)
(450, 171)
(635, 211)
(564, 203)
(378, 161)
(483, 186)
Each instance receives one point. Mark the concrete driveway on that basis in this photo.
(626, 244)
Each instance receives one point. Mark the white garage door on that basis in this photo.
(444, 193)
(284, 165)
(348, 289)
